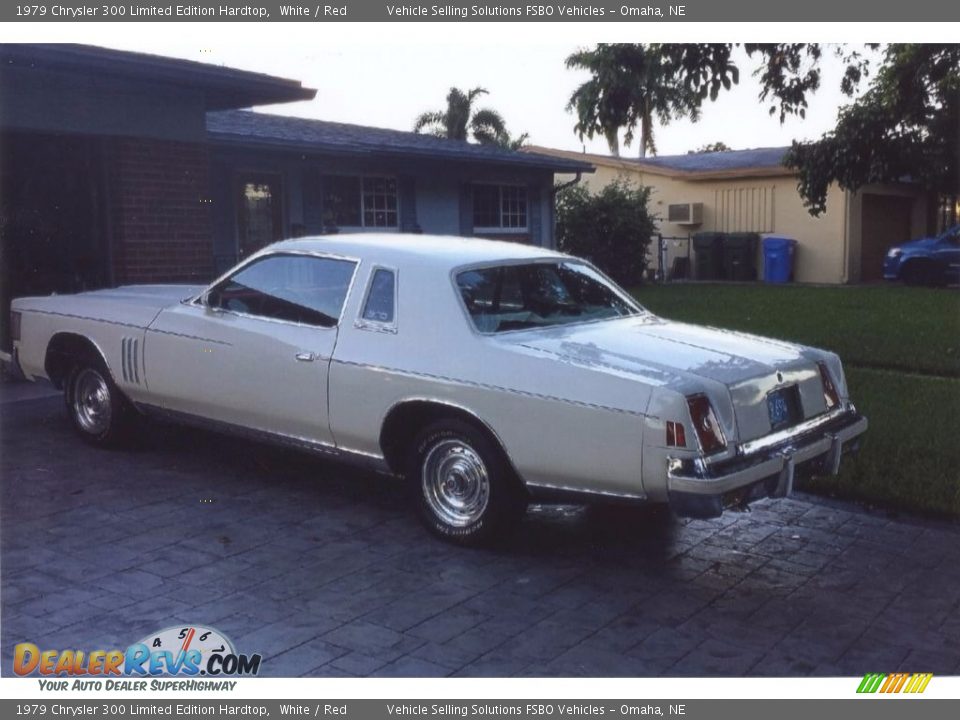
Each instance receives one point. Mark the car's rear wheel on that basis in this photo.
(468, 493)
(97, 409)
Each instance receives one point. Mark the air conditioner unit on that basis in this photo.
(685, 213)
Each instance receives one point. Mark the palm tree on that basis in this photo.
(631, 84)
(506, 140)
(459, 120)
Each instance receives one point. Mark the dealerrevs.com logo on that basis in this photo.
(178, 651)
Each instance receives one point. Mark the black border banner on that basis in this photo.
(637, 11)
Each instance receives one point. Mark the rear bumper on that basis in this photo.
(698, 490)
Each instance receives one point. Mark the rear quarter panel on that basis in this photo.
(561, 425)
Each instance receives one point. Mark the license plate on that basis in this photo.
(782, 407)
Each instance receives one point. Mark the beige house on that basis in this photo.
(751, 191)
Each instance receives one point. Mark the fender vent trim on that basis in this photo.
(130, 359)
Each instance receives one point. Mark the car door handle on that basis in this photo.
(306, 356)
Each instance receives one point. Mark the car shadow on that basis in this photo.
(569, 531)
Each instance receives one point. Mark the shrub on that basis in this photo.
(611, 228)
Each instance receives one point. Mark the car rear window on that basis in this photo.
(519, 297)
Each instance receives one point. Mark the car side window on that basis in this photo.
(295, 288)
(380, 304)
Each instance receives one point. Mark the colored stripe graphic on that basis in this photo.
(894, 682)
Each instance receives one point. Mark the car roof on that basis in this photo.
(396, 249)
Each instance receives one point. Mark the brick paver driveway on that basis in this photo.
(326, 571)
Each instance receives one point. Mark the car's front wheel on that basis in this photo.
(468, 493)
(920, 272)
(97, 409)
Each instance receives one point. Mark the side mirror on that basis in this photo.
(206, 302)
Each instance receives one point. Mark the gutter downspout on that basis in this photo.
(845, 277)
(564, 186)
(553, 204)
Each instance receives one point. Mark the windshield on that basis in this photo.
(517, 297)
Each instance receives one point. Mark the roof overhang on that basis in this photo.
(222, 88)
(641, 167)
(532, 161)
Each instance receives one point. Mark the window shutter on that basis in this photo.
(407, 196)
(535, 215)
(466, 210)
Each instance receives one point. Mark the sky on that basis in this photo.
(387, 84)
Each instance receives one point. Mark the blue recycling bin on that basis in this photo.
(778, 255)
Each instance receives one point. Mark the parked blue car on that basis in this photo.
(930, 261)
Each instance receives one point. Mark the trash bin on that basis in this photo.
(740, 256)
(708, 255)
(778, 255)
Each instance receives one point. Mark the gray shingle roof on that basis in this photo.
(222, 87)
(720, 161)
(250, 128)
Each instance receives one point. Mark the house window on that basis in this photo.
(499, 208)
(351, 201)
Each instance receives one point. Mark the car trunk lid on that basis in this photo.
(750, 367)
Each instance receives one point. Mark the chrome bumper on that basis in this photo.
(699, 490)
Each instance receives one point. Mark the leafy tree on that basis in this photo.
(460, 119)
(788, 72)
(612, 228)
(904, 126)
(631, 85)
(718, 146)
(907, 125)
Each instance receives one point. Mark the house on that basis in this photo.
(752, 191)
(335, 177)
(120, 167)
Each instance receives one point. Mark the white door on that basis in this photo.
(256, 351)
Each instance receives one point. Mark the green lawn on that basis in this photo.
(910, 457)
(901, 352)
(915, 329)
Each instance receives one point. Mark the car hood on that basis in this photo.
(152, 295)
(921, 244)
(649, 345)
(134, 305)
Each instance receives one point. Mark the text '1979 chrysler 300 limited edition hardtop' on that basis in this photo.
(487, 373)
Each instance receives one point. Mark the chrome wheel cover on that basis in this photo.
(91, 401)
(455, 483)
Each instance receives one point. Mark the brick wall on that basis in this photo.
(160, 211)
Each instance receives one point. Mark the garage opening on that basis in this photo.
(886, 221)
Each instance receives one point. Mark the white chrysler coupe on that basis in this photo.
(489, 374)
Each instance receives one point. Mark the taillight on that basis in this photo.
(705, 424)
(830, 395)
(676, 434)
(15, 325)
